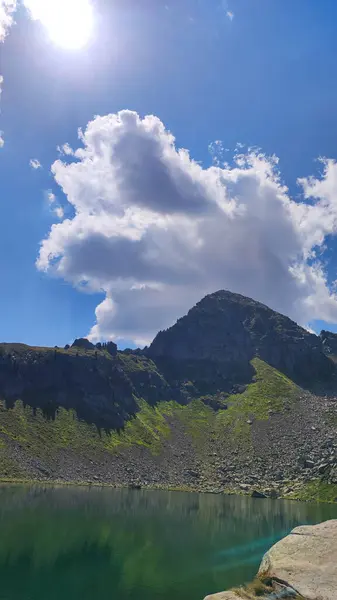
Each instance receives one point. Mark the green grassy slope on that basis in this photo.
(270, 391)
(167, 436)
(41, 438)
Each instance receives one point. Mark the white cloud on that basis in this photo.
(59, 212)
(35, 164)
(56, 209)
(65, 149)
(51, 197)
(2, 141)
(7, 9)
(156, 231)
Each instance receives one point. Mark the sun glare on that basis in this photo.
(69, 22)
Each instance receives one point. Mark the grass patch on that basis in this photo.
(43, 438)
(256, 588)
(23, 349)
(133, 362)
(315, 491)
(147, 429)
(270, 392)
(196, 417)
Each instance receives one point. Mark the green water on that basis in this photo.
(80, 544)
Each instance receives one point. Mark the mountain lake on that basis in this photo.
(78, 543)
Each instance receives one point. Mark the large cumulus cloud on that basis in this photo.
(155, 231)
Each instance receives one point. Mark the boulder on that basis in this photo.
(256, 494)
(303, 563)
(306, 560)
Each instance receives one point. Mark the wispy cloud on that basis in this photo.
(35, 163)
(55, 208)
(59, 212)
(65, 149)
(50, 197)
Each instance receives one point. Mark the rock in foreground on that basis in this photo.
(305, 561)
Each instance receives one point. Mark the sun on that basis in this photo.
(69, 22)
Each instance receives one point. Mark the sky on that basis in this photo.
(155, 151)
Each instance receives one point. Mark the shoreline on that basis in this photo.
(298, 497)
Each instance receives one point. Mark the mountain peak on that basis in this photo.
(230, 328)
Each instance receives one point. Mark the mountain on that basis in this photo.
(234, 396)
(230, 330)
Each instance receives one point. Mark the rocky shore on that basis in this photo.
(302, 565)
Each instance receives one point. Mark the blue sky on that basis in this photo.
(265, 78)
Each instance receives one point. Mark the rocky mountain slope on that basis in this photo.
(230, 330)
(233, 397)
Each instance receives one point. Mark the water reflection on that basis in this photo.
(78, 542)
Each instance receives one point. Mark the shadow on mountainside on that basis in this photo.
(91, 383)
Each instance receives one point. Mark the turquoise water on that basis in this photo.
(81, 543)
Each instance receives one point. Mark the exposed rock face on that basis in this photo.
(111, 347)
(91, 383)
(230, 329)
(329, 342)
(304, 562)
(83, 343)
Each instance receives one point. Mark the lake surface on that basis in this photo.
(82, 543)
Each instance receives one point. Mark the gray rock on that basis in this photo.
(329, 342)
(304, 563)
(192, 473)
(83, 343)
(306, 560)
(256, 494)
